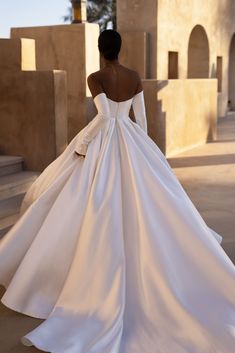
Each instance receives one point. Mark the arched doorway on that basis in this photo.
(198, 53)
(231, 78)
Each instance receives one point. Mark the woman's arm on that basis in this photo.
(95, 124)
(95, 89)
(139, 106)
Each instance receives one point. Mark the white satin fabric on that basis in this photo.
(112, 253)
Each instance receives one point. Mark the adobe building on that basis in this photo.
(185, 46)
(185, 39)
(33, 123)
(33, 106)
(184, 51)
(72, 48)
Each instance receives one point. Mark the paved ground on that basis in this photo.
(208, 175)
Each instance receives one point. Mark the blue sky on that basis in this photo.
(26, 13)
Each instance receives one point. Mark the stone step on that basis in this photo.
(10, 164)
(16, 183)
(6, 223)
(11, 205)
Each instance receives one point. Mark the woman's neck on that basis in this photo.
(111, 62)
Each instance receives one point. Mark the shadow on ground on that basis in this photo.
(13, 326)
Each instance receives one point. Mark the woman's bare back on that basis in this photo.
(117, 81)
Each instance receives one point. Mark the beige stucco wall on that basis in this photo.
(72, 48)
(140, 16)
(33, 106)
(135, 51)
(17, 54)
(176, 20)
(33, 116)
(176, 121)
(169, 24)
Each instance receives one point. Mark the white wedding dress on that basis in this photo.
(112, 253)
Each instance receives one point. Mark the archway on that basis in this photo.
(231, 77)
(198, 53)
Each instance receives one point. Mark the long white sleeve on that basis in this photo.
(94, 126)
(89, 133)
(139, 110)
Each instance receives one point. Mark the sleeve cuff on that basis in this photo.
(81, 148)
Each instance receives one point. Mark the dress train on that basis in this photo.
(113, 254)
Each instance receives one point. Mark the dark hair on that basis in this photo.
(109, 44)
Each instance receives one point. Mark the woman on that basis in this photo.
(109, 249)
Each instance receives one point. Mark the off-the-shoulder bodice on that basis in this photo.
(110, 108)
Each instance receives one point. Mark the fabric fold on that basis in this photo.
(90, 131)
(113, 255)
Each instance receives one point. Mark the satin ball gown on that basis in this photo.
(111, 252)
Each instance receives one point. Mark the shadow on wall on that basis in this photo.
(211, 127)
(213, 71)
(198, 161)
(181, 113)
(156, 117)
(231, 78)
(161, 126)
(198, 53)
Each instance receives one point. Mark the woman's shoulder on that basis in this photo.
(94, 83)
(98, 79)
(93, 76)
(96, 75)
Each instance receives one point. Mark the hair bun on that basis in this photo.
(109, 44)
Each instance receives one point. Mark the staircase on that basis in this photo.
(14, 182)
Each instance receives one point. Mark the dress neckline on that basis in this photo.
(127, 100)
